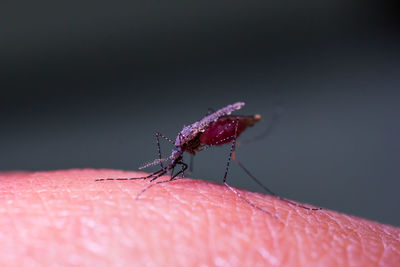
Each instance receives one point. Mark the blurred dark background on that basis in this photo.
(86, 85)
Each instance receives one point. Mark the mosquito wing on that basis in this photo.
(189, 132)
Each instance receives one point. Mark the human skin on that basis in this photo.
(64, 218)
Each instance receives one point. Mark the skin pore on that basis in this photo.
(65, 218)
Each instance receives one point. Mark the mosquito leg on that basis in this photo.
(250, 203)
(173, 178)
(183, 171)
(233, 189)
(158, 135)
(130, 178)
(184, 166)
(158, 175)
(166, 138)
(266, 188)
(230, 153)
(150, 186)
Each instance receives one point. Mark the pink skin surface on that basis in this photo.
(64, 218)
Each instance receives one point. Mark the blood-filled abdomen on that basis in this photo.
(223, 130)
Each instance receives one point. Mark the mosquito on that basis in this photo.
(215, 129)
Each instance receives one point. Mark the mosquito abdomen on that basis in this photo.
(223, 130)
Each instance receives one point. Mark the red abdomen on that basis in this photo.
(223, 130)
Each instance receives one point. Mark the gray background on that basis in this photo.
(86, 84)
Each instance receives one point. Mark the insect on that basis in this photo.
(215, 129)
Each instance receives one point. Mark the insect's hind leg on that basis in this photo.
(250, 203)
(233, 189)
(266, 188)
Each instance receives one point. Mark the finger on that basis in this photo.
(65, 217)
